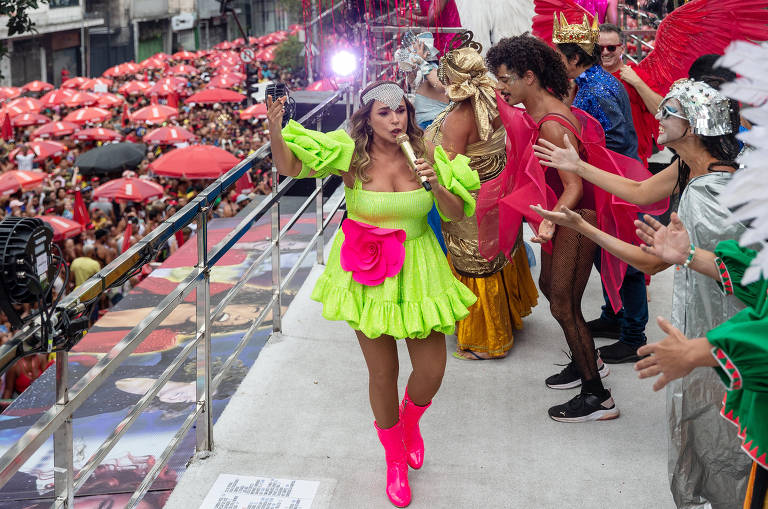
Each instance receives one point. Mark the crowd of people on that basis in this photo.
(103, 223)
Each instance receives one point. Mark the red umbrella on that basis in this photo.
(63, 228)
(27, 119)
(238, 42)
(258, 111)
(18, 180)
(168, 135)
(223, 45)
(95, 82)
(122, 69)
(167, 86)
(56, 97)
(42, 149)
(9, 92)
(224, 81)
(109, 100)
(266, 54)
(81, 99)
(98, 134)
(24, 105)
(55, 129)
(194, 162)
(129, 189)
(152, 63)
(215, 95)
(37, 86)
(184, 55)
(88, 115)
(275, 38)
(154, 114)
(134, 87)
(184, 69)
(74, 82)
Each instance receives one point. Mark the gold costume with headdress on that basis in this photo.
(505, 290)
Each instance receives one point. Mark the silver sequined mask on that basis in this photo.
(389, 93)
(707, 110)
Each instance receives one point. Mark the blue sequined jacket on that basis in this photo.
(604, 97)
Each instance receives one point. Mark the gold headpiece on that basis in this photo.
(584, 35)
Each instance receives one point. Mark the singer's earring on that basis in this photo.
(368, 129)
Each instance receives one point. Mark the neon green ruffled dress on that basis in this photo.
(424, 296)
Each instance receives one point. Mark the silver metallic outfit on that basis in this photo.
(707, 468)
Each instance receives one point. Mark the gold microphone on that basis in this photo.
(410, 155)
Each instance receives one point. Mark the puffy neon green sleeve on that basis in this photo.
(457, 177)
(325, 153)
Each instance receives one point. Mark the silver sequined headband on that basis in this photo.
(389, 93)
(707, 110)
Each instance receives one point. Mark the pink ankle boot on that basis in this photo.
(410, 413)
(398, 489)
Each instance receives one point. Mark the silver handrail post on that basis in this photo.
(277, 308)
(63, 471)
(319, 209)
(204, 428)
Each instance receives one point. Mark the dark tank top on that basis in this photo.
(553, 178)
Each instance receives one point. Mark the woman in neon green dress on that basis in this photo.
(386, 274)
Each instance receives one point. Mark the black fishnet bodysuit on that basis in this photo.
(564, 276)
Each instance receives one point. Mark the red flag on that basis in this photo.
(127, 237)
(80, 213)
(125, 116)
(179, 238)
(6, 131)
(244, 184)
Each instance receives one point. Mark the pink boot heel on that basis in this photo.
(398, 489)
(410, 413)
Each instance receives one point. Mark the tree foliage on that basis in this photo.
(288, 55)
(19, 21)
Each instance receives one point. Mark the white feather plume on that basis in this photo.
(747, 193)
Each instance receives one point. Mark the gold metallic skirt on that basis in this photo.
(503, 299)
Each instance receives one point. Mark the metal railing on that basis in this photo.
(57, 421)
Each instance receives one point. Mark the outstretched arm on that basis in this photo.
(285, 162)
(632, 255)
(673, 357)
(642, 192)
(672, 244)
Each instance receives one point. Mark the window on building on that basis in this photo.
(63, 3)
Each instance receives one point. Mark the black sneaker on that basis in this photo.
(602, 329)
(569, 377)
(586, 407)
(619, 352)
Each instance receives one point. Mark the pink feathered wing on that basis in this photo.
(504, 202)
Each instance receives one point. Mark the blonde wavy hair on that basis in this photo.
(359, 131)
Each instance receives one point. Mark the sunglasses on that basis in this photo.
(609, 48)
(667, 111)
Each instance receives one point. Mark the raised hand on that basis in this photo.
(424, 169)
(666, 358)
(549, 154)
(275, 112)
(670, 243)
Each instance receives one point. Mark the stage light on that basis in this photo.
(25, 263)
(344, 63)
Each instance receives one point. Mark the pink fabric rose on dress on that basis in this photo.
(370, 253)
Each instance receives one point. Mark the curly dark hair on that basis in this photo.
(570, 50)
(528, 53)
